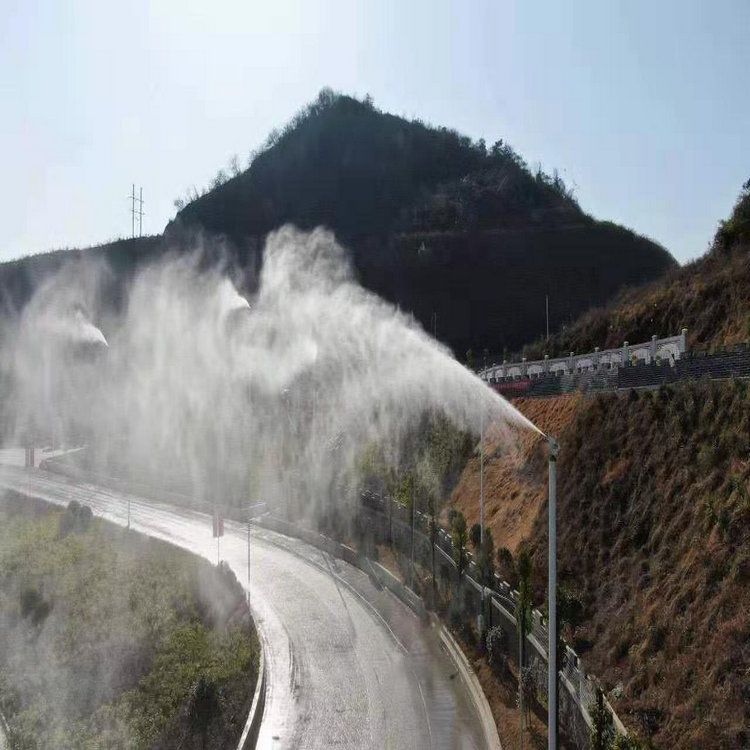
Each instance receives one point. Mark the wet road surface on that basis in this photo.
(349, 664)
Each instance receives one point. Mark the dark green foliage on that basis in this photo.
(475, 535)
(204, 706)
(602, 733)
(506, 566)
(77, 518)
(459, 537)
(525, 601)
(425, 212)
(157, 643)
(626, 743)
(736, 229)
(486, 559)
(33, 605)
(569, 617)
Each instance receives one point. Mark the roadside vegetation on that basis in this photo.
(111, 640)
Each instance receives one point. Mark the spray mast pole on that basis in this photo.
(552, 598)
(481, 472)
(481, 515)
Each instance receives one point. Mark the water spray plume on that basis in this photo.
(238, 400)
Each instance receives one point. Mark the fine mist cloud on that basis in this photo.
(236, 400)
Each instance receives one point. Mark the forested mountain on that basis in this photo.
(436, 223)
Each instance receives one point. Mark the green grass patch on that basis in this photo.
(109, 639)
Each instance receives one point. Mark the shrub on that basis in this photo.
(602, 733)
(475, 536)
(497, 649)
(626, 743)
(456, 612)
(486, 560)
(528, 685)
(459, 538)
(204, 705)
(77, 518)
(33, 605)
(506, 566)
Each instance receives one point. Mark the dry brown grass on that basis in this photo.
(515, 480)
(710, 297)
(654, 534)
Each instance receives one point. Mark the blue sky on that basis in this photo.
(643, 106)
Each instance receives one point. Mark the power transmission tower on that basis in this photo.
(140, 214)
(136, 212)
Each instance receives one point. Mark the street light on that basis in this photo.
(552, 597)
(480, 619)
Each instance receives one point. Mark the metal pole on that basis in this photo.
(481, 481)
(248, 560)
(546, 305)
(411, 571)
(552, 598)
(480, 619)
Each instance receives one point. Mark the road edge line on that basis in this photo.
(249, 738)
(455, 652)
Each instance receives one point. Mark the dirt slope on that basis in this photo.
(516, 480)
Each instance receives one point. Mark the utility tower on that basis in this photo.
(136, 212)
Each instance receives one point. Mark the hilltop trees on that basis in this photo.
(421, 208)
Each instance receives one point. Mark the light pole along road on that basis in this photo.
(349, 665)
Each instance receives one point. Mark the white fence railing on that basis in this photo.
(667, 350)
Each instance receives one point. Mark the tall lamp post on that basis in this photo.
(552, 597)
(480, 619)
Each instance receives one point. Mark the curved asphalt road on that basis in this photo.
(349, 665)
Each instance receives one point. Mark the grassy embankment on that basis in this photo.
(654, 540)
(111, 640)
